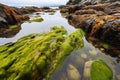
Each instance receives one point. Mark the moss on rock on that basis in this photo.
(101, 71)
(37, 55)
(38, 19)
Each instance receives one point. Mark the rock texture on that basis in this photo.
(100, 20)
(36, 56)
(10, 16)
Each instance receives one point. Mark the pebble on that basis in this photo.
(93, 52)
(73, 73)
(83, 55)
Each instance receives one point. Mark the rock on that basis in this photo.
(45, 7)
(95, 69)
(101, 68)
(111, 32)
(37, 56)
(10, 32)
(100, 21)
(62, 6)
(83, 55)
(87, 70)
(9, 16)
(73, 73)
(37, 19)
(63, 10)
(93, 52)
(88, 2)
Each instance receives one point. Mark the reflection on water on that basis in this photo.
(39, 27)
(9, 33)
(78, 58)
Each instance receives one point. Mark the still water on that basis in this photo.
(39, 27)
(77, 59)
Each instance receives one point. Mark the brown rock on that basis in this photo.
(101, 21)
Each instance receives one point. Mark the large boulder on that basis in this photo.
(36, 56)
(101, 21)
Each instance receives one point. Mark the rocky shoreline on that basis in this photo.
(13, 15)
(99, 19)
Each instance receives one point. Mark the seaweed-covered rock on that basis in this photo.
(37, 19)
(97, 70)
(101, 71)
(36, 56)
(10, 32)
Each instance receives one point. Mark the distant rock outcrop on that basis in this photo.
(10, 16)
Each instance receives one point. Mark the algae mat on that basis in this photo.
(37, 56)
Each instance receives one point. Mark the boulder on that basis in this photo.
(9, 16)
(36, 56)
(101, 21)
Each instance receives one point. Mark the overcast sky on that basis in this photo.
(33, 2)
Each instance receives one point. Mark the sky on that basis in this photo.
(33, 2)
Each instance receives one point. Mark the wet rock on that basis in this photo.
(88, 2)
(87, 69)
(93, 52)
(83, 55)
(9, 16)
(95, 69)
(101, 68)
(63, 10)
(100, 21)
(73, 73)
(111, 32)
(10, 32)
(37, 56)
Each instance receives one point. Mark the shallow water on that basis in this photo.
(39, 27)
(77, 57)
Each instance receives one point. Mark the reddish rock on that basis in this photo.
(101, 20)
(63, 10)
(9, 16)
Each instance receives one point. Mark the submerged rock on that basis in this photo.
(10, 32)
(97, 70)
(101, 71)
(37, 19)
(73, 73)
(36, 56)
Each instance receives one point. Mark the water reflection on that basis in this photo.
(79, 57)
(40, 27)
(10, 32)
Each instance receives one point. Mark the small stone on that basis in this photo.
(102, 49)
(83, 55)
(118, 77)
(87, 69)
(93, 52)
(73, 73)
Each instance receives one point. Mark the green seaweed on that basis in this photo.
(13, 26)
(38, 19)
(101, 71)
(41, 53)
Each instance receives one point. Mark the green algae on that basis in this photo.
(13, 26)
(37, 19)
(37, 52)
(101, 71)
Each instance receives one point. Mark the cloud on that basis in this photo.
(32, 2)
